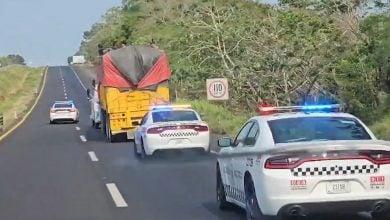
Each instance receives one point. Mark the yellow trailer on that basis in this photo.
(130, 80)
(123, 110)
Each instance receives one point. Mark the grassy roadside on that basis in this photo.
(382, 129)
(19, 86)
(221, 120)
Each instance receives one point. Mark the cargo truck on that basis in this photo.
(129, 81)
(77, 60)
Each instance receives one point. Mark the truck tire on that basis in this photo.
(108, 130)
(104, 123)
(110, 137)
(93, 123)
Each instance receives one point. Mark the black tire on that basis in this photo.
(253, 211)
(109, 136)
(76, 121)
(220, 189)
(97, 125)
(135, 151)
(93, 123)
(51, 122)
(104, 123)
(143, 154)
(380, 216)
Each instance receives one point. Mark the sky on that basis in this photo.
(46, 32)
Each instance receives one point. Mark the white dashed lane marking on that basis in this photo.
(93, 156)
(78, 128)
(83, 139)
(77, 76)
(116, 195)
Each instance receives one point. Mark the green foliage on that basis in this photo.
(382, 128)
(11, 59)
(220, 119)
(285, 55)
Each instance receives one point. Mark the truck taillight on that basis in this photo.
(284, 162)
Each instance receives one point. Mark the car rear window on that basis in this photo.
(174, 115)
(63, 106)
(317, 129)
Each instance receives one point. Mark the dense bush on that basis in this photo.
(284, 54)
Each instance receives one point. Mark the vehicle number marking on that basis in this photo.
(298, 184)
(338, 187)
(377, 182)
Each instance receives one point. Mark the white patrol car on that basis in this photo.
(63, 111)
(308, 160)
(171, 127)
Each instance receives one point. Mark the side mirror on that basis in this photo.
(225, 142)
(88, 93)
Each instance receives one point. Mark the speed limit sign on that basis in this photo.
(217, 89)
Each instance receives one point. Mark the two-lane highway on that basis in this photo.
(68, 171)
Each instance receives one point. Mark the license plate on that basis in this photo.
(338, 187)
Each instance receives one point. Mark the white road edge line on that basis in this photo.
(77, 76)
(116, 195)
(83, 139)
(93, 156)
(78, 128)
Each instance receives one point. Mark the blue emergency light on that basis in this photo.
(169, 107)
(307, 108)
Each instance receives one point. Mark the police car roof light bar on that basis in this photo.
(308, 108)
(70, 101)
(157, 107)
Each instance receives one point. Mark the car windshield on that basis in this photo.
(317, 129)
(175, 115)
(63, 106)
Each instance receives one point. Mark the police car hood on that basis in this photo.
(315, 146)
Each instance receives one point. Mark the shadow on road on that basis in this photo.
(177, 156)
(212, 207)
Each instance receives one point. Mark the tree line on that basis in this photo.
(11, 59)
(296, 51)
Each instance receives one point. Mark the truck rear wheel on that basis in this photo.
(108, 131)
(110, 137)
(104, 123)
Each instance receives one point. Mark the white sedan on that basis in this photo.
(303, 162)
(171, 127)
(64, 111)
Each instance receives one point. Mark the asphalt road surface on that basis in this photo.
(69, 172)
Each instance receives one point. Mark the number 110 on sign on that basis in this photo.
(217, 89)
